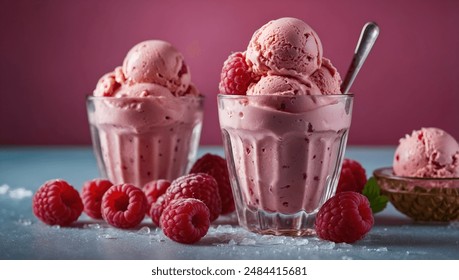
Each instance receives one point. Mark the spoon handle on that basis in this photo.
(366, 41)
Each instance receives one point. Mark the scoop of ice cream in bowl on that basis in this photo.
(423, 182)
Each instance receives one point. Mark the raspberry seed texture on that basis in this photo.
(196, 185)
(91, 194)
(216, 166)
(124, 206)
(346, 217)
(153, 190)
(352, 178)
(57, 203)
(236, 76)
(185, 220)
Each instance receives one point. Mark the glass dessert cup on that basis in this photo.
(284, 157)
(140, 139)
(422, 199)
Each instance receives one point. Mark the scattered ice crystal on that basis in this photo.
(157, 236)
(144, 230)
(25, 222)
(303, 241)
(92, 226)
(20, 193)
(15, 193)
(4, 189)
(345, 245)
(382, 249)
(56, 227)
(107, 236)
(346, 258)
(232, 242)
(327, 245)
(248, 241)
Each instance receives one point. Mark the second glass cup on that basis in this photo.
(284, 157)
(140, 139)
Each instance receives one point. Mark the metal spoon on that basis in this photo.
(366, 41)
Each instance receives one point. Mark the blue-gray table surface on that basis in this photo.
(22, 236)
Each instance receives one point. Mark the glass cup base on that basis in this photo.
(273, 223)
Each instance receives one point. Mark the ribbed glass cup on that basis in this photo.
(284, 157)
(140, 139)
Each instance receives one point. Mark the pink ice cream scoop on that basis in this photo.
(428, 152)
(157, 62)
(327, 78)
(109, 83)
(286, 46)
(143, 90)
(282, 85)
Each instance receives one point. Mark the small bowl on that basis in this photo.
(422, 199)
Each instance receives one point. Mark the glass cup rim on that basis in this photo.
(92, 97)
(388, 173)
(306, 96)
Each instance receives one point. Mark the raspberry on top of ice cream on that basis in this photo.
(284, 57)
(150, 68)
(429, 153)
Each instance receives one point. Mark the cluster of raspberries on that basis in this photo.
(183, 208)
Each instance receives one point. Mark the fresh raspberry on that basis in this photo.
(57, 203)
(124, 206)
(91, 194)
(156, 209)
(352, 178)
(216, 167)
(185, 220)
(236, 76)
(346, 217)
(197, 185)
(153, 190)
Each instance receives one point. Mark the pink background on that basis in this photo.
(53, 53)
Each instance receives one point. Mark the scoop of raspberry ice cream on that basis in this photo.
(428, 152)
(157, 62)
(327, 78)
(282, 85)
(286, 46)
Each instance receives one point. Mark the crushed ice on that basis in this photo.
(4, 189)
(228, 235)
(20, 193)
(15, 193)
(157, 236)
